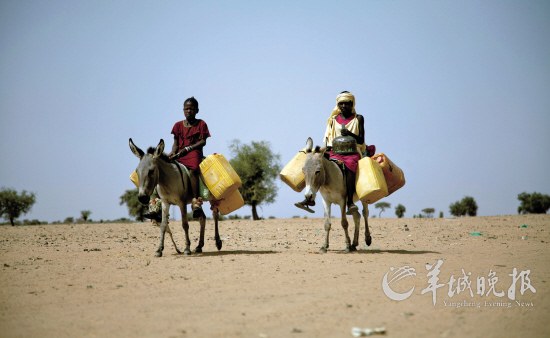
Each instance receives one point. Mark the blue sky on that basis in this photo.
(456, 93)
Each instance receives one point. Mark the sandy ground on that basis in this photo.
(269, 280)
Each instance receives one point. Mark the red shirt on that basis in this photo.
(350, 160)
(342, 120)
(186, 136)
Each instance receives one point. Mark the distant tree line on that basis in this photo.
(466, 206)
(535, 203)
(14, 204)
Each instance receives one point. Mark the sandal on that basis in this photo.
(304, 206)
(196, 207)
(198, 213)
(153, 216)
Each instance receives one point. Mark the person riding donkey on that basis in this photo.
(344, 121)
(190, 137)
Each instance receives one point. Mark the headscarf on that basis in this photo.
(342, 97)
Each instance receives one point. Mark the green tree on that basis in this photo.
(400, 210)
(258, 167)
(135, 208)
(13, 204)
(466, 206)
(382, 206)
(535, 203)
(457, 209)
(470, 205)
(428, 212)
(84, 214)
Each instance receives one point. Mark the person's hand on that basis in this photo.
(176, 155)
(183, 152)
(346, 132)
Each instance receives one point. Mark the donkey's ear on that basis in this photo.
(138, 152)
(309, 145)
(159, 149)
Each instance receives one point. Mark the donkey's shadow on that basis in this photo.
(398, 252)
(230, 252)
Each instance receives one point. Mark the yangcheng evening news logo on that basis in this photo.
(464, 290)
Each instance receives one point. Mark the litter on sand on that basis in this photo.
(359, 332)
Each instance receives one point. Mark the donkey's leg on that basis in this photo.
(357, 223)
(160, 248)
(368, 239)
(345, 224)
(163, 225)
(169, 231)
(326, 206)
(185, 226)
(202, 222)
(216, 216)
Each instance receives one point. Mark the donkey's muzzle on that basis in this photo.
(143, 199)
(310, 199)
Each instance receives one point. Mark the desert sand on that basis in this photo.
(270, 280)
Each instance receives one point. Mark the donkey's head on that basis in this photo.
(147, 169)
(314, 170)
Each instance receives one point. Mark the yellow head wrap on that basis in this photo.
(343, 97)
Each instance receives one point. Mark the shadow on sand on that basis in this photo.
(268, 252)
(228, 253)
(398, 252)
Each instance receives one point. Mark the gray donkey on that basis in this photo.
(325, 176)
(174, 188)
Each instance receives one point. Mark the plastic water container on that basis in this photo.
(231, 203)
(370, 184)
(395, 178)
(218, 175)
(134, 178)
(292, 173)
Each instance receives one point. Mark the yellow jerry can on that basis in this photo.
(395, 178)
(134, 178)
(231, 203)
(219, 176)
(370, 185)
(292, 173)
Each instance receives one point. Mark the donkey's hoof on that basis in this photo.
(352, 248)
(187, 252)
(323, 250)
(158, 254)
(368, 240)
(219, 244)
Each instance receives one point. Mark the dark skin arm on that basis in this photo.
(346, 110)
(360, 139)
(175, 154)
